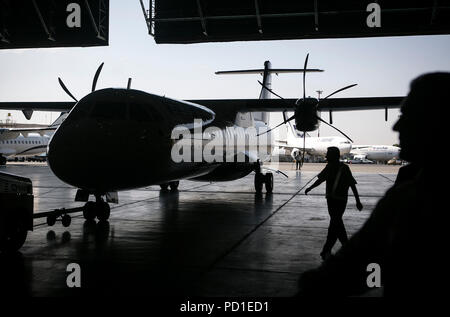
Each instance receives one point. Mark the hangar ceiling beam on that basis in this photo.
(258, 17)
(41, 19)
(316, 15)
(181, 21)
(3, 38)
(94, 23)
(434, 12)
(202, 18)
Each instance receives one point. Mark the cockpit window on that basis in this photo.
(109, 111)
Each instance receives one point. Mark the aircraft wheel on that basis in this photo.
(268, 181)
(258, 182)
(2, 160)
(89, 210)
(66, 220)
(103, 211)
(174, 185)
(13, 240)
(51, 220)
(164, 186)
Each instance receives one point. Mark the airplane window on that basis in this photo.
(109, 111)
(139, 114)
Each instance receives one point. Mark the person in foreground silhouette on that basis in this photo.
(338, 179)
(407, 232)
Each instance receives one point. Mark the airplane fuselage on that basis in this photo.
(376, 152)
(116, 139)
(23, 146)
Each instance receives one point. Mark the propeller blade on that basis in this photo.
(270, 90)
(304, 76)
(284, 116)
(97, 73)
(66, 90)
(286, 121)
(320, 119)
(339, 90)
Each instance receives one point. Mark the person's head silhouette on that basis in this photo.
(421, 122)
(333, 154)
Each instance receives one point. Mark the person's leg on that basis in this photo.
(333, 228)
(340, 227)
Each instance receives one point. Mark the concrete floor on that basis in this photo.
(207, 239)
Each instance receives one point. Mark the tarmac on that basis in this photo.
(206, 239)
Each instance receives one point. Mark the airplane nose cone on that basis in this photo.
(61, 156)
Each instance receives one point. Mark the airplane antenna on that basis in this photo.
(129, 83)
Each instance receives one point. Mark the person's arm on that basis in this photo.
(316, 183)
(356, 194)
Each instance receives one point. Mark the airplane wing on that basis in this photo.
(276, 105)
(270, 105)
(8, 134)
(226, 109)
(28, 107)
(57, 106)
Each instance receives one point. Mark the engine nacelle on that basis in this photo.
(306, 115)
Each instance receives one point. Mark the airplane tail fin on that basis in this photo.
(266, 72)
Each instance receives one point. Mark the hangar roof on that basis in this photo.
(53, 23)
(195, 21)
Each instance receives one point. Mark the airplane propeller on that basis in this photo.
(61, 83)
(94, 83)
(305, 116)
(97, 73)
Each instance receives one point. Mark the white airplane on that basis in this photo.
(23, 146)
(316, 146)
(86, 151)
(375, 152)
(26, 141)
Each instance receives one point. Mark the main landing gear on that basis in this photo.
(2, 160)
(263, 179)
(173, 185)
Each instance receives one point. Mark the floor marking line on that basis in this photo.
(234, 246)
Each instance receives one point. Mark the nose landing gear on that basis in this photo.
(263, 179)
(99, 209)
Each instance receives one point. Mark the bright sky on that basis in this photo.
(380, 67)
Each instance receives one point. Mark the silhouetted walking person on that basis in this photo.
(298, 161)
(338, 179)
(407, 233)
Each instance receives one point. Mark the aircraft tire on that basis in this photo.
(89, 210)
(174, 185)
(2, 160)
(164, 186)
(66, 220)
(103, 211)
(258, 182)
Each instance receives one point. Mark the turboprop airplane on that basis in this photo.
(316, 146)
(168, 140)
